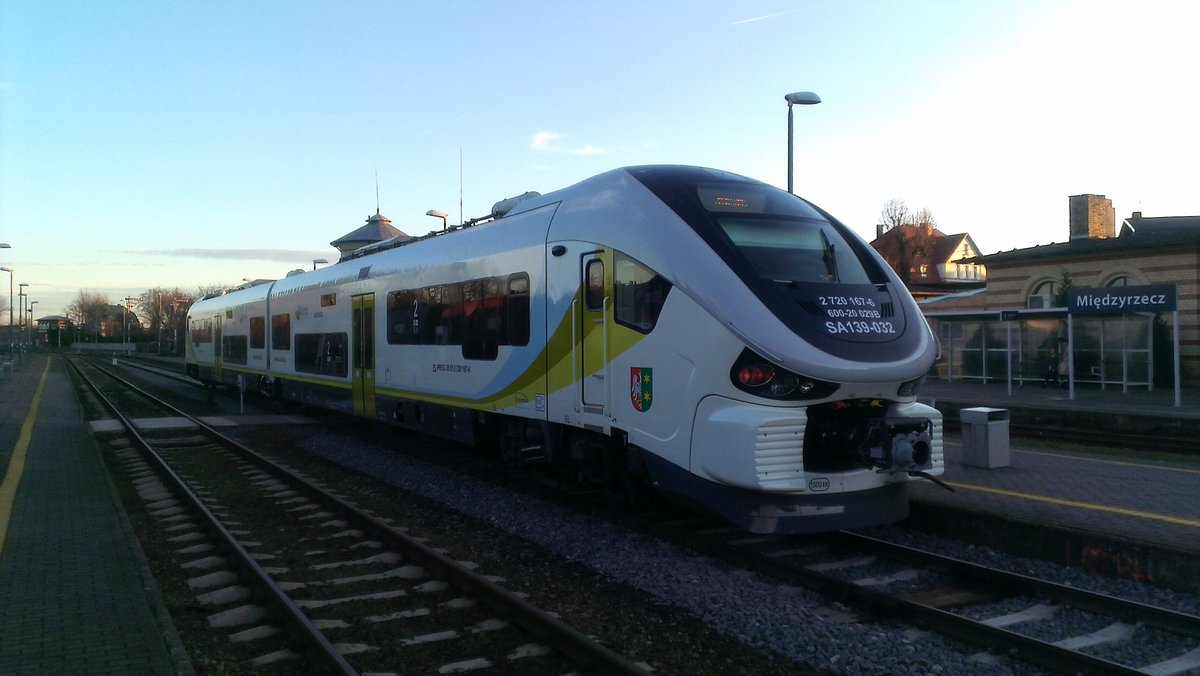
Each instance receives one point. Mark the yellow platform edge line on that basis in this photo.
(1177, 520)
(16, 463)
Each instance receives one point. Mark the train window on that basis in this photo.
(795, 250)
(233, 349)
(516, 308)
(594, 297)
(445, 314)
(479, 314)
(258, 333)
(639, 293)
(401, 317)
(321, 353)
(480, 318)
(328, 299)
(201, 331)
(281, 332)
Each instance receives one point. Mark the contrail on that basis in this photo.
(760, 18)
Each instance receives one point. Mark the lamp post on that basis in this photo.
(439, 214)
(10, 311)
(32, 335)
(321, 261)
(800, 99)
(158, 319)
(21, 295)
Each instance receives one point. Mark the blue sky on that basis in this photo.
(147, 144)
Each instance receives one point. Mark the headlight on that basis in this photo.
(751, 373)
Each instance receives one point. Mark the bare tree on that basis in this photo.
(894, 214)
(914, 232)
(88, 311)
(164, 310)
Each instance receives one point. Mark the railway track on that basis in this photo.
(1053, 626)
(301, 578)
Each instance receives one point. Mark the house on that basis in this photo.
(930, 262)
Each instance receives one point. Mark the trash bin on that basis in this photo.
(984, 436)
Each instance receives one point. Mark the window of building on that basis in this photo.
(1044, 295)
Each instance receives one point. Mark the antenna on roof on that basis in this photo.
(460, 186)
(376, 190)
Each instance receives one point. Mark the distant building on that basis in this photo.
(377, 229)
(1131, 349)
(937, 263)
(52, 323)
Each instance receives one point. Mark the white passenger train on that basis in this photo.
(712, 337)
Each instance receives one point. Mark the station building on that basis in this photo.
(1017, 325)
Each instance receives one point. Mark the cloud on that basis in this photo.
(281, 255)
(588, 149)
(547, 142)
(762, 18)
(544, 140)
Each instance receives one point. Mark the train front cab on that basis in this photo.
(842, 455)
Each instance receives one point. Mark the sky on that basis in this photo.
(188, 144)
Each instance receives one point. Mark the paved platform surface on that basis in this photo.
(75, 594)
(1147, 500)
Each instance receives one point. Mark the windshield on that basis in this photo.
(809, 270)
(790, 250)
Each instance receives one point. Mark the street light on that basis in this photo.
(439, 214)
(320, 261)
(10, 309)
(33, 336)
(799, 99)
(22, 296)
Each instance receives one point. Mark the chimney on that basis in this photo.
(1092, 217)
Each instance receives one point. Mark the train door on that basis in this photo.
(363, 348)
(218, 352)
(592, 332)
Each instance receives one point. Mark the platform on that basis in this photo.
(1120, 509)
(77, 595)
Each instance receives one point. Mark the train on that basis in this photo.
(676, 331)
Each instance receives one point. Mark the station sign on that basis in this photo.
(1009, 315)
(1117, 299)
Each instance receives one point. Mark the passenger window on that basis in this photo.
(258, 333)
(517, 307)
(639, 294)
(281, 332)
(595, 285)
